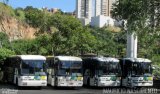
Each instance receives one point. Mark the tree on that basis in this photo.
(138, 13)
(86, 41)
(143, 18)
(109, 43)
(34, 16)
(134, 11)
(23, 46)
(19, 12)
(43, 44)
(71, 38)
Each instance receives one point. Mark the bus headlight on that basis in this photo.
(80, 78)
(150, 78)
(43, 77)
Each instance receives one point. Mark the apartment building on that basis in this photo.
(103, 7)
(84, 9)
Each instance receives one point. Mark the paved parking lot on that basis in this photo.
(11, 89)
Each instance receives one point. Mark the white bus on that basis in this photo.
(64, 71)
(136, 72)
(101, 71)
(26, 70)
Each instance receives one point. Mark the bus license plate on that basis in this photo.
(71, 83)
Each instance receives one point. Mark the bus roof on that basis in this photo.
(68, 58)
(106, 59)
(137, 59)
(31, 57)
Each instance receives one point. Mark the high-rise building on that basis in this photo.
(84, 9)
(103, 7)
(97, 7)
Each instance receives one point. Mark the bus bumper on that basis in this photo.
(70, 84)
(32, 83)
(142, 84)
(108, 83)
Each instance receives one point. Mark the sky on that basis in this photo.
(64, 5)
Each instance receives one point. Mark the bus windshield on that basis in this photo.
(147, 69)
(33, 67)
(69, 72)
(110, 68)
(71, 64)
(141, 68)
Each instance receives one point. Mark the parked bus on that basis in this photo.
(136, 72)
(25, 70)
(65, 71)
(101, 71)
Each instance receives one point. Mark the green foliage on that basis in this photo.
(34, 16)
(40, 45)
(71, 36)
(23, 46)
(142, 18)
(43, 44)
(5, 53)
(156, 70)
(19, 12)
(109, 43)
(139, 14)
(4, 42)
(156, 59)
(86, 42)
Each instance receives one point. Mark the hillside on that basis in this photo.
(13, 27)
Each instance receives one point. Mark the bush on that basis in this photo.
(4, 53)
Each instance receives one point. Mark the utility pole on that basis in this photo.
(131, 43)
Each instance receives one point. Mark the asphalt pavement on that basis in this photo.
(11, 89)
